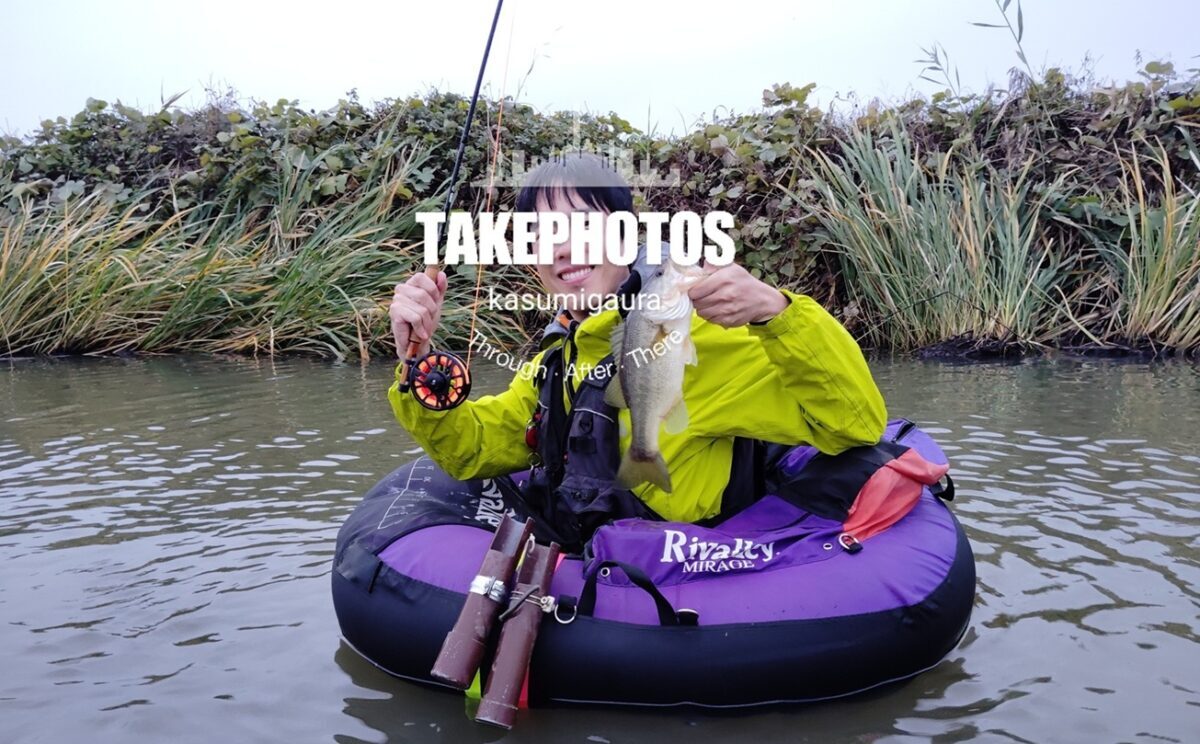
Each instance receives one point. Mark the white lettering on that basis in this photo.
(720, 251)
(523, 237)
(654, 222)
(621, 238)
(595, 237)
(713, 556)
(493, 246)
(587, 244)
(641, 354)
(491, 509)
(430, 221)
(686, 245)
(460, 242)
(673, 546)
(552, 230)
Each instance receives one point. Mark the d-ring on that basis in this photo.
(574, 614)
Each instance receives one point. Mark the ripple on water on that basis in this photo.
(167, 527)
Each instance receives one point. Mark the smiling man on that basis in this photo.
(773, 366)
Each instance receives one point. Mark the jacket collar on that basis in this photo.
(560, 327)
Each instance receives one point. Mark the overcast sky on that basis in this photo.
(661, 64)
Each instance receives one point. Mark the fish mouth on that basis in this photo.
(573, 276)
(689, 275)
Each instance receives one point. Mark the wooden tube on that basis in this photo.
(498, 706)
(466, 643)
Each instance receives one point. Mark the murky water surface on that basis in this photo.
(166, 528)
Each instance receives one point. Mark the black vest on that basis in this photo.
(572, 487)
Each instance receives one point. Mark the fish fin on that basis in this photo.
(616, 340)
(613, 394)
(633, 472)
(676, 420)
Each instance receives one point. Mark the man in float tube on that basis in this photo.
(774, 366)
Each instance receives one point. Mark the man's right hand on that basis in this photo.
(415, 311)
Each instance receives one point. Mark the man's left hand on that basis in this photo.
(730, 296)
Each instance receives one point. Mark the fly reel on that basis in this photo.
(439, 380)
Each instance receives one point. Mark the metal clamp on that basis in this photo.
(490, 587)
(547, 604)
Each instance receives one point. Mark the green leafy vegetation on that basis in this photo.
(1056, 213)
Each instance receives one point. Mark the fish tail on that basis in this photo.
(639, 467)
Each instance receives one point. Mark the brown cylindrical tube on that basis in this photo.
(465, 644)
(498, 706)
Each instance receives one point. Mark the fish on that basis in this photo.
(650, 350)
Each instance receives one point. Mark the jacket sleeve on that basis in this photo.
(799, 377)
(481, 438)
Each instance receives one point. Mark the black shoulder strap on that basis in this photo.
(550, 359)
(554, 424)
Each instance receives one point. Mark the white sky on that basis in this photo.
(657, 63)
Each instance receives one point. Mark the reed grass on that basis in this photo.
(932, 250)
(89, 277)
(1157, 273)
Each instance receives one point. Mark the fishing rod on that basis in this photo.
(440, 380)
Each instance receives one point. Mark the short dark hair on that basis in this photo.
(589, 176)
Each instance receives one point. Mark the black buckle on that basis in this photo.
(850, 543)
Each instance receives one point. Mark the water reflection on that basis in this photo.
(412, 713)
(166, 527)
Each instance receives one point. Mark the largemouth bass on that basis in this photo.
(650, 350)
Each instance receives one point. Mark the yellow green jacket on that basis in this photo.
(798, 378)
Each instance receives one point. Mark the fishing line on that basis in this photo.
(495, 159)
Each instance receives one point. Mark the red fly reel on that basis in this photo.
(439, 380)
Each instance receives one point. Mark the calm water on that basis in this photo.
(166, 528)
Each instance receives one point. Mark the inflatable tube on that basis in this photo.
(784, 615)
